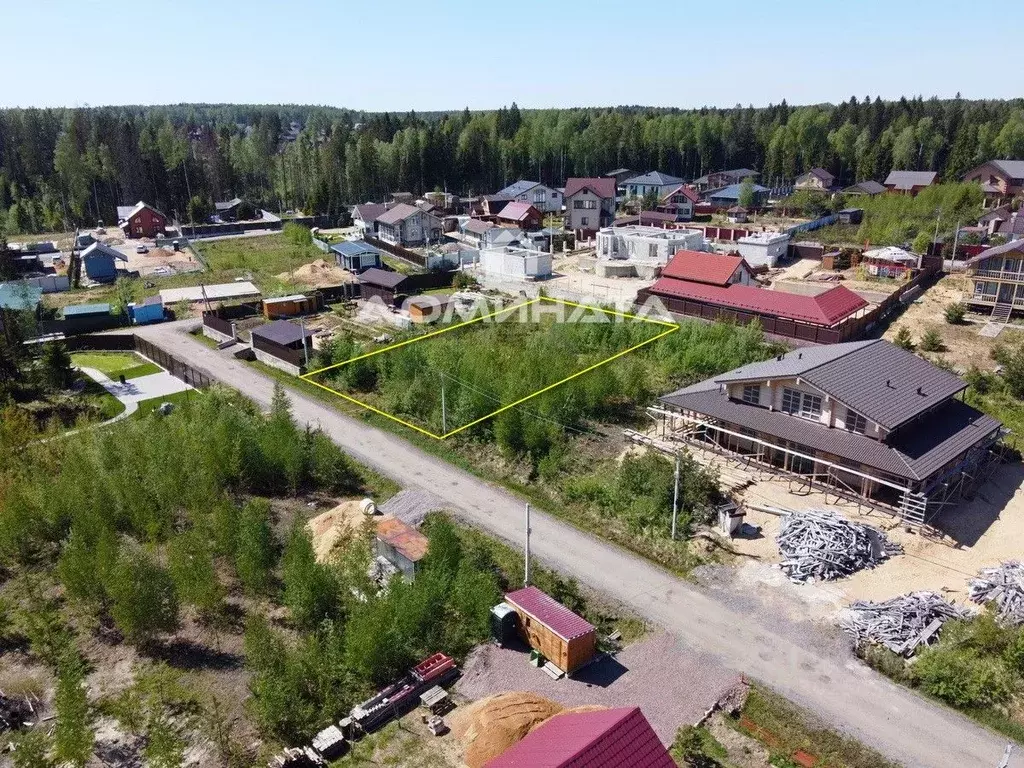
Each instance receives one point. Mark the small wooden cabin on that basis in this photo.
(567, 640)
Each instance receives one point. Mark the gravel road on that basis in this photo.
(818, 676)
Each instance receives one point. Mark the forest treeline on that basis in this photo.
(63, 167)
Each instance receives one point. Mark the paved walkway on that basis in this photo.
(802, 662)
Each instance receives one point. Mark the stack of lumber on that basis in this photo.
(1003, 586)
(901, 624)
(819, 544)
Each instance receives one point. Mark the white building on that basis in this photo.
(639, 243)
(545, 199)
(763, 248)
(515, 263)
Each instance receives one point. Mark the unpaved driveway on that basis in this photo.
(808, 666)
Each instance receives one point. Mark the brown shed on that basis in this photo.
(290, 306)
(427, 309)
(567, 640)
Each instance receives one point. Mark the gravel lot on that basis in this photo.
(673, 685)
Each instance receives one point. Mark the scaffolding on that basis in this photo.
(909, 501)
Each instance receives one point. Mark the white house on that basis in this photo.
(515, 263)
(406, 225)
(364, 217)
(545, 199)
(763, 248)
(646, 243)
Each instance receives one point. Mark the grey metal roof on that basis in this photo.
(1012, 168)
(909, 179)
(877, 379)
(654, 177)
(869, 187)
(102, 249)
(514, 190)
(353, 248)
(945, 435)
(227, 205)
(382, 277)
(281, 332)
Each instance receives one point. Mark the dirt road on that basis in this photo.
(800, 662)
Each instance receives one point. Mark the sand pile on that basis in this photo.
(488, 727)
(319, 273)
(337, 524)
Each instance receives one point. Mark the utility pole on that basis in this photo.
(444, 410)
(675, 499)
(305, 346)
(526, 567)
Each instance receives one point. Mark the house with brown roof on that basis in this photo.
(997, 280)
(522, 215)
(909, 182)
(866, 419)
(364, 217)
(679, 202)
(815, 180)
(408, 226)
(589, 204)
(401, 545)
(1000, 180)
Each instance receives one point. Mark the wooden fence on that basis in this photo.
(850, 330)
(396, 250)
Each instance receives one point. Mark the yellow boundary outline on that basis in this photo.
(671, 328)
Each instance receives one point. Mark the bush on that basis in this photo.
(464, 280)
(1011, 357)
(955, 313)
(297, 234)
(963, 677)
(931, 341)
(978, 380)
(921, 242)
(903, 338)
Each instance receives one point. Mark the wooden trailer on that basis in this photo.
(568, 641)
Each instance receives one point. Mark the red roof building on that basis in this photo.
(827, 309)
(607, 738)
(602, 187)
(710, 268)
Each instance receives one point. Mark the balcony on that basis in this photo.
(997, 274)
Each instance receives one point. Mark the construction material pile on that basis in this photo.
(901, 624)
(488, 727)
(1003, 586)
(819, 544)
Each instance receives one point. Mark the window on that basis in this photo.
(539, 197)
(855, 422)
(589, 204)
(577, 204)
(801, 404)
(752, 393)
(584, 221)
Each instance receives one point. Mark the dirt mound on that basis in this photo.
(488, 727)
(335, 525)
(319, 273)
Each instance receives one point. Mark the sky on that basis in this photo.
(449, 54)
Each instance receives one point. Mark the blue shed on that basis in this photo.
(99, 261)
(356, 255)
(86, 310)
(149, 310)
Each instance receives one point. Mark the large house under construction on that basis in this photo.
(865, 419)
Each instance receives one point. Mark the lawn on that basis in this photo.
(263, 257)
(108, 405)
(116, 364)
(178, 400)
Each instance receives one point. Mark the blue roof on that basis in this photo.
(19, 296)
(82, 310)
(520, 187)
(353, 248)
(654, 178)
(732, 192)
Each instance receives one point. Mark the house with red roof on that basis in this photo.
(589, 204)
(523, 215)
(680, 202)
(604, 738)
(566, 639)
(709, 268)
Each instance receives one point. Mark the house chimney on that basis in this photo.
(799, 355)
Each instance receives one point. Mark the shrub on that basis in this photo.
(963, 677)
(978, 380)
(921, 242)
(464, 280)
(1011, 357)
(931, 341)
(903, 338)
(955, 313)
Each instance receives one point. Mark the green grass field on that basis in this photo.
(178, 399)
(116, 364)
(109, 406)
(264, 257)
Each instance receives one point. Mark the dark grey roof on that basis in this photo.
(1012, 168)
(910, 179)
(514, 190)
(1011, 246)
(883, 382)
(654, 178)
(914, 455)
(227, 205)
(368, 212)
(281, 332)
(382, 277)
(353, 248)
(869, 187)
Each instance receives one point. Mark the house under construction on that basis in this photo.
(864, 420)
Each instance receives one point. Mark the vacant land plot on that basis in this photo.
(115, 364)
(487, 365)
(265, 259)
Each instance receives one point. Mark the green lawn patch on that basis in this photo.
(116, 364)
(108, 405)
(264, 257)
(178, 399)
(399, 265)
